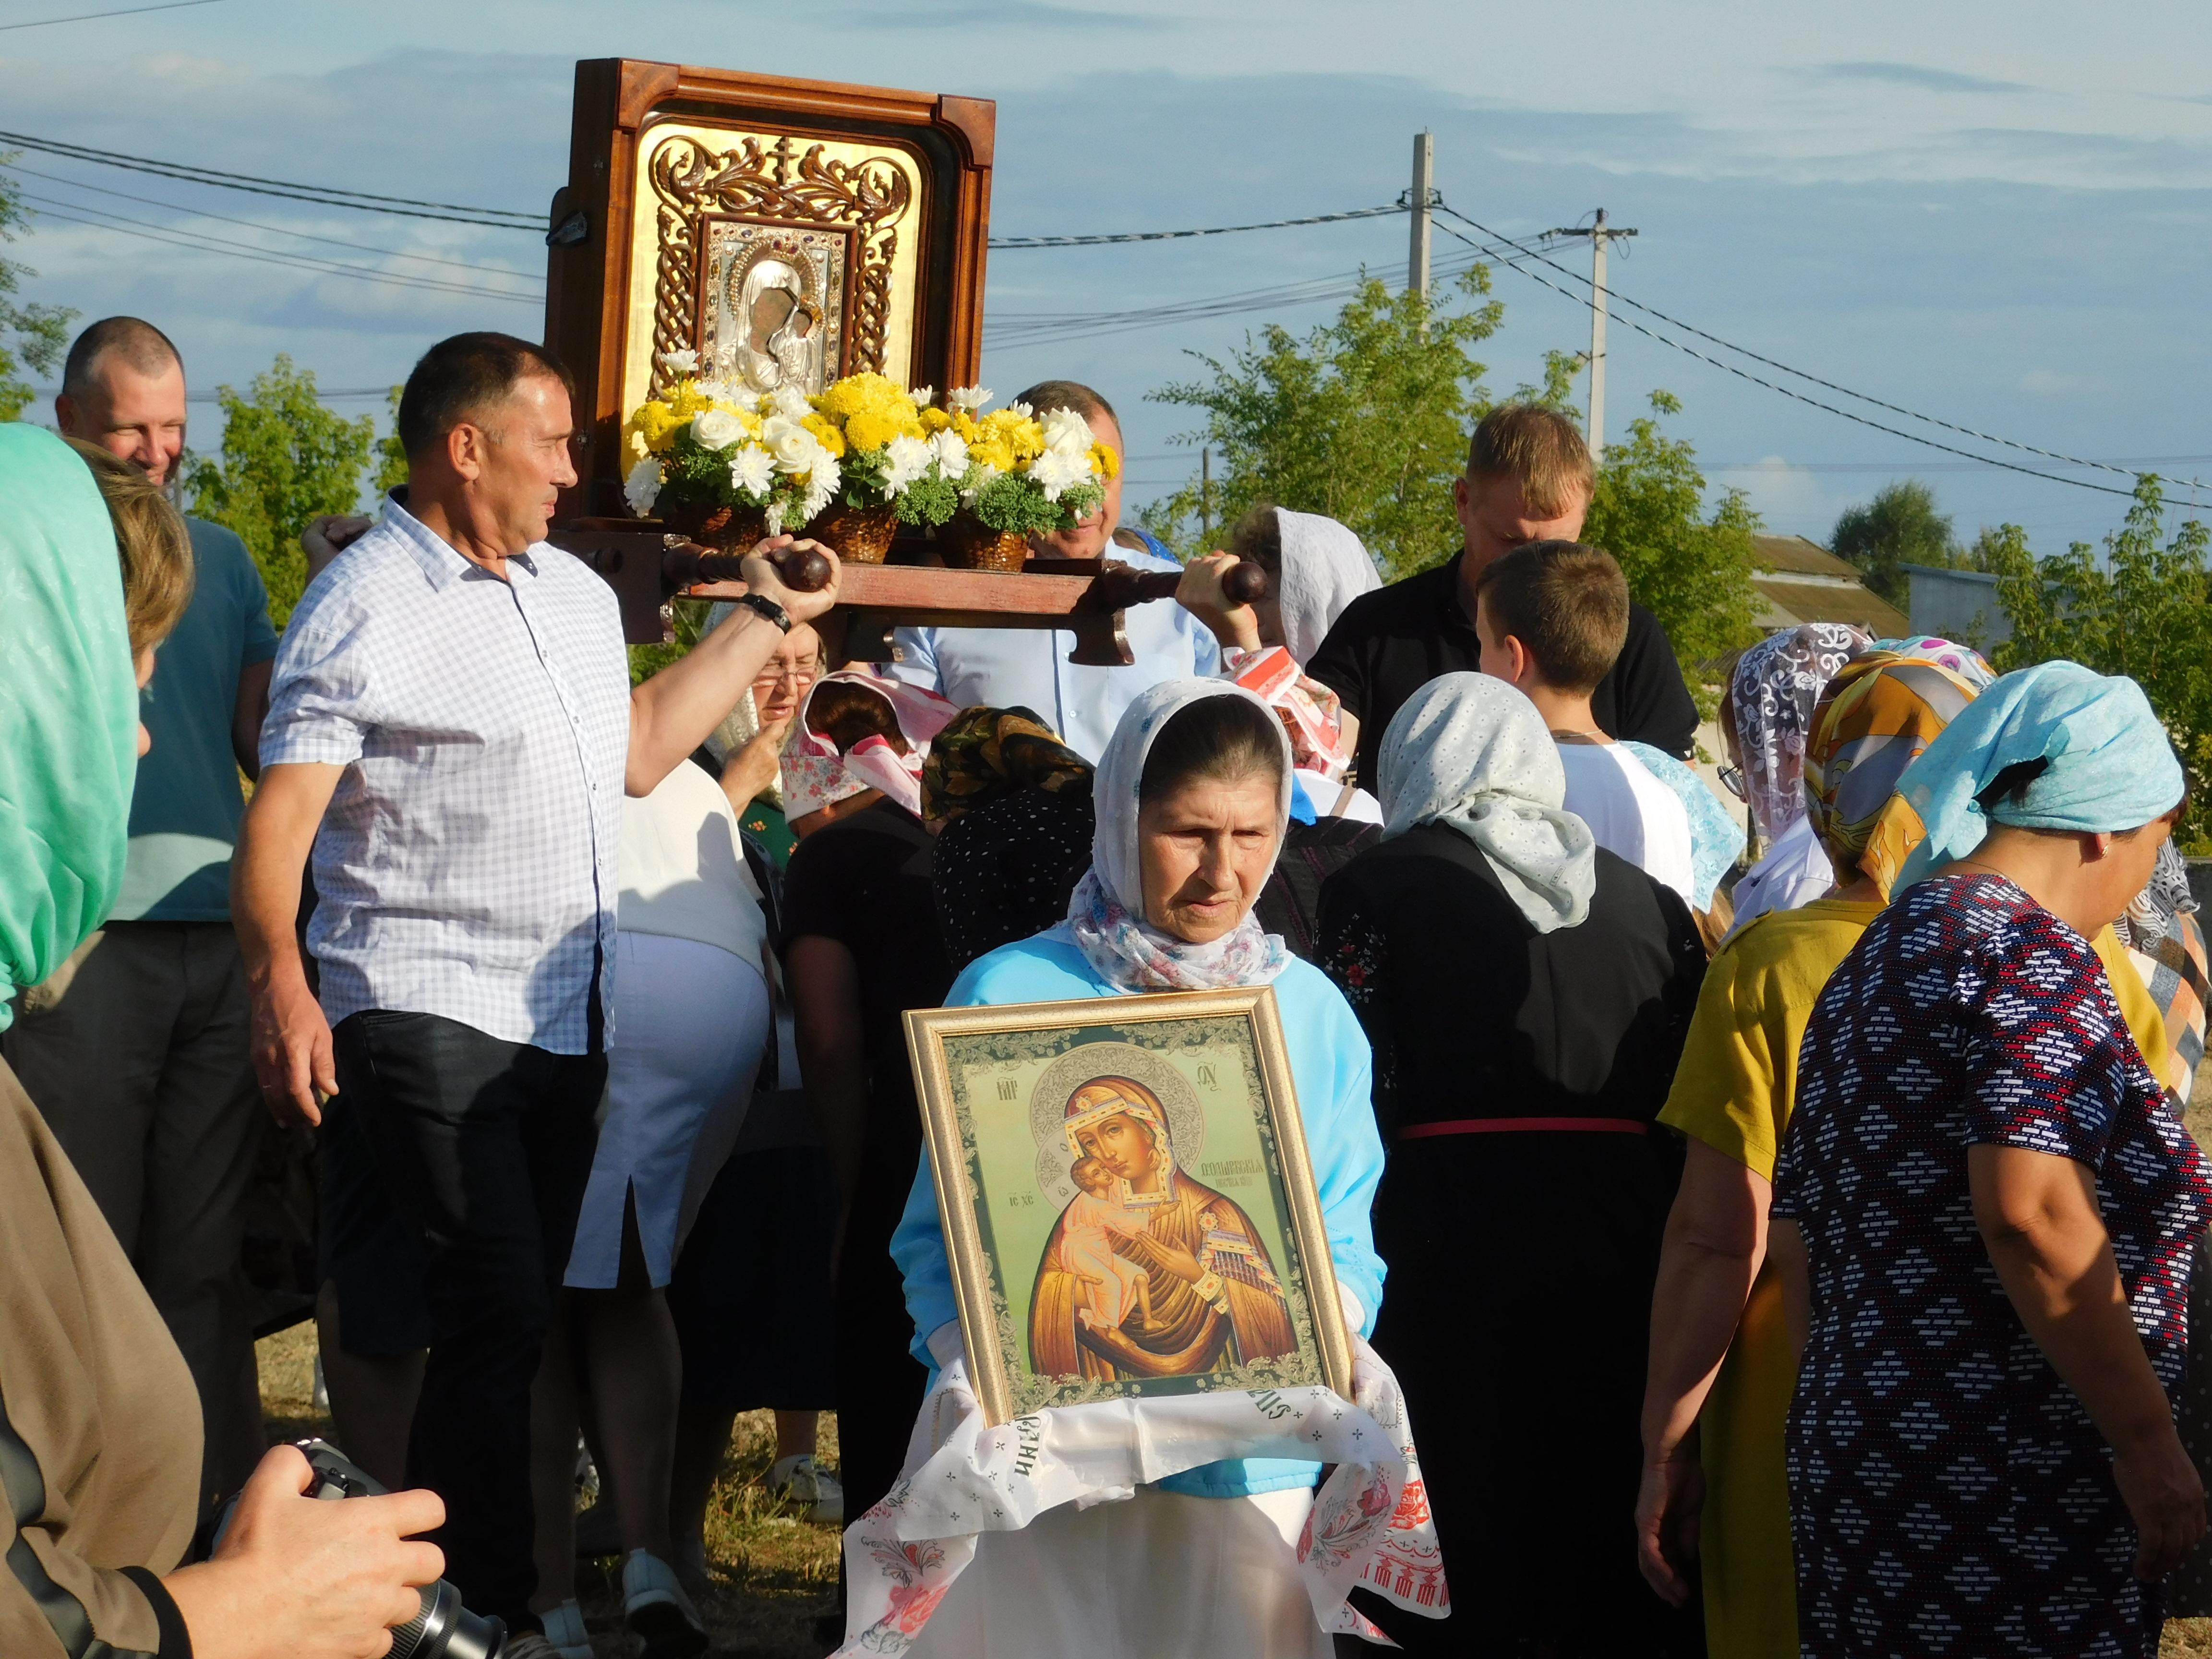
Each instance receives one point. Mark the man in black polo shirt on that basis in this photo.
(1528, 479)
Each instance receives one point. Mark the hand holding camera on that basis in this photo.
(294, 1576)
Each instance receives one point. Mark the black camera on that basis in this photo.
(444, 1629)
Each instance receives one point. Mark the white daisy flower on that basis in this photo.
(905, 460)
(679, 363)
(642, 488)
(1058, 471)
(752, 470)
(951, 454)
(970, 397)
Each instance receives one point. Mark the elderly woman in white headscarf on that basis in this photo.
(1764, 721)
(1314, 566)
(1527, 993)
(1192, 798)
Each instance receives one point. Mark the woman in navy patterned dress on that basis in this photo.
(1992, 1208)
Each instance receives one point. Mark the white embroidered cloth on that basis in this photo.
(1370, 1524)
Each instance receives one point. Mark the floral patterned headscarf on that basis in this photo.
(1770, 695)
(1880, 711)
(985, 754)
(1106, 913)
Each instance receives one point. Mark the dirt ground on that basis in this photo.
(774, 1572)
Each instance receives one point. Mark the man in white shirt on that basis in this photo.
(1028, 667)
(1552, 617)
(452, 731)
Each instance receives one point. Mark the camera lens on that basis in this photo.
(444, 1629)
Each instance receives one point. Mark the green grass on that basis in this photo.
(774, 1572)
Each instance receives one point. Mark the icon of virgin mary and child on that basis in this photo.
(1147, 1273)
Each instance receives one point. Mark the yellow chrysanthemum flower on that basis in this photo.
(826, 430)
(1104, 461)
(867, 429)
(934, 421)
(658, 422)
(687, 400)
(995, 452)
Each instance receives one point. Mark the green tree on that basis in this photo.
(1689, 567)
(390, 454)
(1365, 419)
(1900, 526)
(32, 336)
(2137, 607)
(285, 459)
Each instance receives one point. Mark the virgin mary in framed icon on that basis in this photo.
(1130, 1211)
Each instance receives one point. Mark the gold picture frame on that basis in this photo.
(1088, 1155)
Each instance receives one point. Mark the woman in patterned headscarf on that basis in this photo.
(1764, 723)
(1983, 1208)
(1011, 807)
(1720, 1369)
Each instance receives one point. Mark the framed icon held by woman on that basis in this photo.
(1126, 1200)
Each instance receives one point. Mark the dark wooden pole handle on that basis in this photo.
(1121, 585)
(801, 569)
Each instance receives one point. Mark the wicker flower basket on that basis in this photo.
(713, 524)
(970, 544)
(857, 535)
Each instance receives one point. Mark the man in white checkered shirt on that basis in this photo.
(451, 710)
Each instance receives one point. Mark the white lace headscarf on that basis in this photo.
(1325, 568)
(1771, 697)
(1469, 750)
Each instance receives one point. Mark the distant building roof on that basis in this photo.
(1800, 582)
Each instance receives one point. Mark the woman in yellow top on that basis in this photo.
(1720, 1375)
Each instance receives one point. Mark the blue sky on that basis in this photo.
(1994, 213)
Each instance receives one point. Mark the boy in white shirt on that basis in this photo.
(1552, 617)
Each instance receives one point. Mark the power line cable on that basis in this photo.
(255, 224)
(1037, 328)
(89, 17)
(1744, 374)
(241, 251)
(1865, 397)
(1012, 243)
(329, 196)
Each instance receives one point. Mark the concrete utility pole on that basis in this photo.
(1419, 199)
(1205, 495)
(1600, 235)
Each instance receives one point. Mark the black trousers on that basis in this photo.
(484, 1146)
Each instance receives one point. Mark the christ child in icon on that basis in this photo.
(1093, 1218)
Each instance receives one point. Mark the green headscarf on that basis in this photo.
(68, 708)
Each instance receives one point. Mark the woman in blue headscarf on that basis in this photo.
(1985, 1461)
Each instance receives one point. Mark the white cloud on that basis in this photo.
(1790, 499)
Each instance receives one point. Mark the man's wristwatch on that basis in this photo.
(767, 607)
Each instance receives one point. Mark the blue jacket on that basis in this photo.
(1329, 1064)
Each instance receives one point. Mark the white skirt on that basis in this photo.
(690, 1022)
(1161, 1573)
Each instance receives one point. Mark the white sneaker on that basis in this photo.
(564, 1631)
(797, 1478)
(654, 1604)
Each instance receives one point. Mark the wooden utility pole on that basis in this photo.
(1419, 199)
(1599, 233)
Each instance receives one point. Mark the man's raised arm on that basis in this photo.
(672, 713)
(292, 1055)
